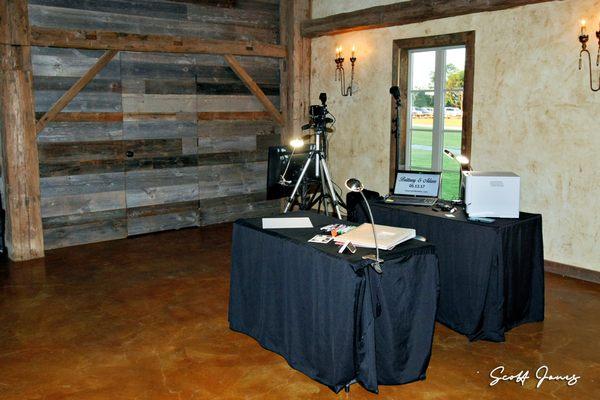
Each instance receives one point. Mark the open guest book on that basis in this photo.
(387, 236)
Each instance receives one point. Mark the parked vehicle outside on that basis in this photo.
(416, 112)
(453, 112)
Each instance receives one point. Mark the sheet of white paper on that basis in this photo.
(284, 223)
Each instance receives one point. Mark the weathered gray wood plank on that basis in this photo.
(229, 143)
(231, 179)
(161, 186)
(70, 63)
(73, 132)
(58, 186)
(63, 168)
(227, 209)
(82, 203)
(234, 16)
(63, 84)
(156, 9)
(84, 101)
(235, 128)
(68, 18)
(75, 229)
(50, 152)
(162, 217)
(158, 129)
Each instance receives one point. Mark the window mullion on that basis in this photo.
(438, 110)
(409, 105)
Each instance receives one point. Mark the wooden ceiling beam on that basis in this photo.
(149, 116)
(105, 40)
(214, 3)
(408, 12)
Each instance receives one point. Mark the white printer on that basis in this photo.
(492, 194)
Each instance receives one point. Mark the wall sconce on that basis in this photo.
(583, 39)
(339, 71)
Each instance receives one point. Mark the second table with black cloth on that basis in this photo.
(491, 274)
(330, 315)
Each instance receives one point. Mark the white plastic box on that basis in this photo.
(492, 194)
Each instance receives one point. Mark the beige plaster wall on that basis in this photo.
(533, 112)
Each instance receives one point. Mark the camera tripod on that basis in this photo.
(327, 193)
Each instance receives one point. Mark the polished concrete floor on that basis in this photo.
(146, 318)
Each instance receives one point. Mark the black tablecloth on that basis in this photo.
(491, 275)
(330, 315)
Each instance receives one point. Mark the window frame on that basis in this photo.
(400, 77)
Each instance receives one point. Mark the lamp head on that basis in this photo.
(354, 185)
(297, 143)
(459, 158)
(462, 159)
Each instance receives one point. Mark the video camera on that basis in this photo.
(318, 114)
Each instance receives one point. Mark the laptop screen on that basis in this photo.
(420, 184)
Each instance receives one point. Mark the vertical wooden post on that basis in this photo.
(296, 74)
(20, 169)
(283, 78)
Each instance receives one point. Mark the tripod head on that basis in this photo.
(318, 115)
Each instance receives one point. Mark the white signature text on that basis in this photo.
(542, 374)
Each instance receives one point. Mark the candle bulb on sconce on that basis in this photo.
(583, 39)
(340, 74)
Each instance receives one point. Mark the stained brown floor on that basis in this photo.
(146, 318)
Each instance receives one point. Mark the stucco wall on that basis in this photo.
(533, 111)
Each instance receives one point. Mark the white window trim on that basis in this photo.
(439, 95)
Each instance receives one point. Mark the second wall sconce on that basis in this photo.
(583, 39)
(340, 73)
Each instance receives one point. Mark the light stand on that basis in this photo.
(395, 92)
(354, 185)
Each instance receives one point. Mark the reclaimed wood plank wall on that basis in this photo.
(191, 146)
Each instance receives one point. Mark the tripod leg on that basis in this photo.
(300, 178)
(323, 191)
(331, 190)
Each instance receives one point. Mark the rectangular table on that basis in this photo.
(491, 275)
(330, 315)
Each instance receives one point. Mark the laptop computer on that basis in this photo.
(417, 188)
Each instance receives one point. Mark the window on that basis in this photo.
(435, 78)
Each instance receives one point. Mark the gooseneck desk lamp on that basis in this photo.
(464, 166)
(354, 185)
